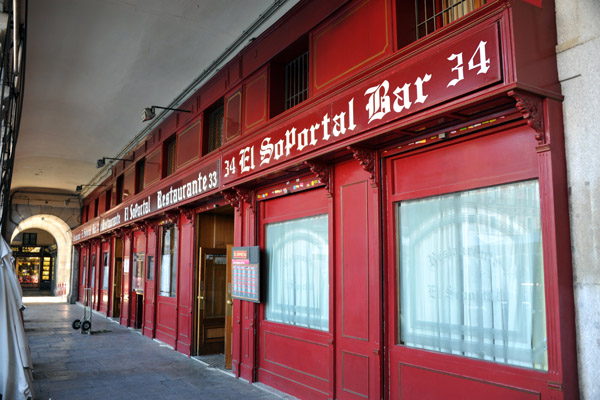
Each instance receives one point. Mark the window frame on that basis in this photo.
(397, 205)
(29, 239)
(295, 207)
(140, 168)
(269, 270)
(173, 261)
(169, 162)
(504, 154)
(440, 16)
(211, 117)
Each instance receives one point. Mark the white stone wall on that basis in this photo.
(578, 52)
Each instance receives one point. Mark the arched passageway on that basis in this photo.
(62, 234)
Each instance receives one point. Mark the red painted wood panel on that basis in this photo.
(287, 30)
(188, 144)
(354, 252)
(233, 115)
(166, 320)
(534, 45)
(185, 292)
(191, 104)
(237, 317)
(139, 246)
(152, 169)
(234, 71)
(310, 202)
(213, 90)
(168, 126)
(416, 383)
(139, 242)
(104, 292)
(255, 100)
(95, 274)
(554, 204)
(507, 157)
(355, 375)
(354, 39)
(150, 287)
(83, 265)
(125, 280)
(248, 326)
(303, 357)
(357, 284)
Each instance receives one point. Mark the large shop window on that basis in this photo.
(470, 271)
(106, 265)
(137, 281)
(298, 272)
(168, 262)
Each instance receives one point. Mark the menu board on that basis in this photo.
(245, 273)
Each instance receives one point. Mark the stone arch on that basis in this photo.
(64, 243)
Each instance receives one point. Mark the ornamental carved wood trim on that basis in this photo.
(532, 109)
(323, 173)
(188, 212)
(231, 196)
(172, 216)
(245, 196)
(236, 197)
(367, 159)
(141, 226)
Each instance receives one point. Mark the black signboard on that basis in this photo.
(245, 276)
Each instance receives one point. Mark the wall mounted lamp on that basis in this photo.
(102, 161)
(150, 112)
(79, 188)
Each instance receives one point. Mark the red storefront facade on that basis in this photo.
(411, 212)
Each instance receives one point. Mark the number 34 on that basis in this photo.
(483, 64)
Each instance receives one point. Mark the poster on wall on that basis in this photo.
(245, 273)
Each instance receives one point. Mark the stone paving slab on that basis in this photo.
(117, 363)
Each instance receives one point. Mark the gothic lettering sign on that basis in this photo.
(194, 185)
(439, 74)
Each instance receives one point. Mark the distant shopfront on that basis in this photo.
(35, 266)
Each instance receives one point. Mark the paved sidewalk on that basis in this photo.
(119, 364)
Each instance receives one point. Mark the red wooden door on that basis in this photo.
(138, 272)
(150, 288)
(94, 277)
(167, 273)
(357, 285)
(104, 276)
(125, 281)
(83, 272)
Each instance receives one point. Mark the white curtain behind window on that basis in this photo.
(298, 272)
(471, 274)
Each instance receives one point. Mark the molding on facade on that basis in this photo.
(236, 196)
(323, 173)
(532, 109)
(367, 159)
(188, 212)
